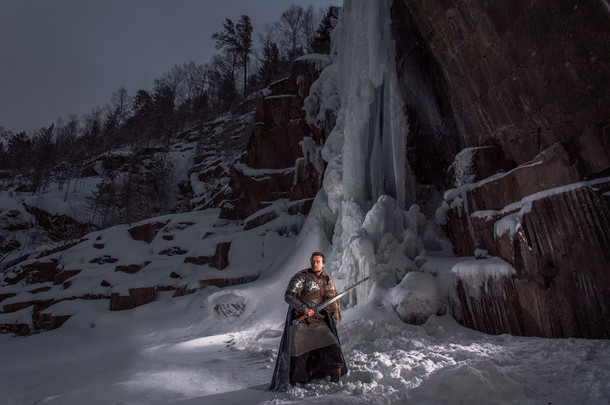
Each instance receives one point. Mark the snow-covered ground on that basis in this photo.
(218, 345)
(181, 350)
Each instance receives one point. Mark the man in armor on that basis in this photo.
(310, 349)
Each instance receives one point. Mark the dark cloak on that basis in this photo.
(281, 374)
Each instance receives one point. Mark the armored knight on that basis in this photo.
(309, 349)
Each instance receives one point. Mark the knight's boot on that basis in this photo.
(335, 375)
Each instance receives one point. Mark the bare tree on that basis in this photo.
(291, 26)
(173, 82)
(43, 157)
(19, 145)
(71, 156)
(121, 105)
(92, 126)
(310, 19)
(5, 135)
(197, 88)
(222, 75)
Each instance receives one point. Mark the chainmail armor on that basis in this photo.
(302, 285)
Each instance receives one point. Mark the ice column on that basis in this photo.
(374, 128)
(367, 168)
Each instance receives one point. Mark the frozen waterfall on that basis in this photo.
(368, 184)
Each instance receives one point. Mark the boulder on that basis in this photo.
(416, 297)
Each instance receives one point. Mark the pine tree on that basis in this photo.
(237, 40)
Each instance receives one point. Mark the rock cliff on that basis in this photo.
(514, 121)
(282, 160)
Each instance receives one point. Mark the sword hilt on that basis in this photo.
(303, 317)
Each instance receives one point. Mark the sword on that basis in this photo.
(329, 301)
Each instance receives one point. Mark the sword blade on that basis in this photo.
(329, 301)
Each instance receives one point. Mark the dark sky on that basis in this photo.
(67, 56)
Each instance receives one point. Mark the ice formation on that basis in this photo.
(367, 185)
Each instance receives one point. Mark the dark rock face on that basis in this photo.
(561, 253)
(20, 329)
(49, 322)
(226, 282)
(527, 73)
(219, 144)
(426, 98)
(555, 232)
(525, 84)
(40, 319)
(136, 297)
(220, 260)
(254, 189)
(274, 166)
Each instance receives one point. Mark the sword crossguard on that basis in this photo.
(303, 317)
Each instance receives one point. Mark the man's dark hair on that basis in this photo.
(317, 254)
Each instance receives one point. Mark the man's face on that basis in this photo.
(317, 264)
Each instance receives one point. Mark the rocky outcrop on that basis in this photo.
(281, 162)
(516, 96)
(226, 282)
(137, 296)
(282, 159)
(146, 232)
(19, 225)
(219, 144)
(44, 321)
(219, 260)
(554, 230)
(559, 245)
(33, 272)
(64, 275)
(60, 227)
